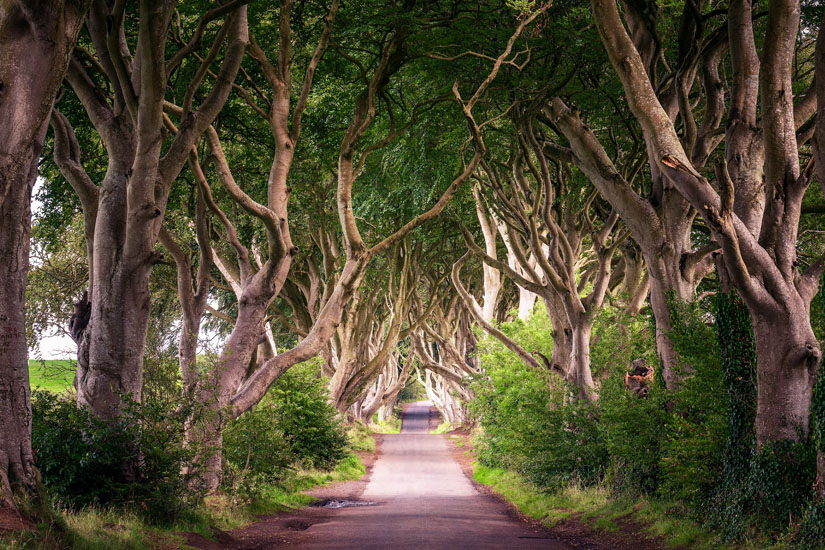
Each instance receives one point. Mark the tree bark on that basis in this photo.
(787, 361)
(579, 373)
(36, 40)
(561, 331)
(762, 267)
(142, 165)
(16, 460)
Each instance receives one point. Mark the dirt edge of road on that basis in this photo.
(574, 531)
(287, 528)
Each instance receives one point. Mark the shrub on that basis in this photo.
(136, 459)
(303, 413)
(634, 431)
(526, 425)
(293, 425)
(693, 446)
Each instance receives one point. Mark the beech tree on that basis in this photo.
(660, 219)
(124, 213)
(230, 388)
(444, 347)
(754, 220)
(36, 42)
(547, 213)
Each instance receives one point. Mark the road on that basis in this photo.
(424, 501)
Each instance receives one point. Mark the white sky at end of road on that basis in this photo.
(55, 347)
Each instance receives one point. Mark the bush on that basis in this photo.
(292, 426)
(303, 413)
(634, 431)
(692, 450)
(526, 426)
(136, 459)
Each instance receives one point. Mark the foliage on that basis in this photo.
(697, 429)
(694, 449)
(634, 433)
(594, 505)
(525, 426)
(81, 457)
(413, 391)
(99, 528)
(618, 339)
(293, 426)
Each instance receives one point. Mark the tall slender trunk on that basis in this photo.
(17, 177)
(36, 41)
(660, 294)
(215, 391)
(526, 301)
(579, 371)
(562, 334)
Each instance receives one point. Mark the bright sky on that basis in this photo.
(61, 346)
(54, 347)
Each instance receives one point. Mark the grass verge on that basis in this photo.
(393, 426)
(598, 508)
(442, 428)
(96, 528)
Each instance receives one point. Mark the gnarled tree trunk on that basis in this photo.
(36, 40)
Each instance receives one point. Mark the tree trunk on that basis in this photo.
(116, 339)
(562, 334)
(36, 41)
(526, 301)
(16, 461)
(216, 389)
(672, 370)
(110, 353)
(579, 371)
(787, 359)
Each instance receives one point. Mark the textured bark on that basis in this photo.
(539, 199)
(129, 116)
(492, 276)
(560, 359)
(17, 470)
(660, 225)
(36, 40)
(787, 361)
(526, 299)
(762, 265)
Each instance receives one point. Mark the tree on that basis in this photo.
(755, 226)
(36, 41)
(128, 206)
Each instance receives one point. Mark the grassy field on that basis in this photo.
(53, 375)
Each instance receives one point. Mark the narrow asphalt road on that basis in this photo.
(424, 501)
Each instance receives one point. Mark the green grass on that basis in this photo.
(442, 428)
(52, 375)
(360, 439)
(284, 496)
(97, 528)
(393, 426)
(596, 507)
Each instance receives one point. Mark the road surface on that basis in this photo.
(424, 502)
